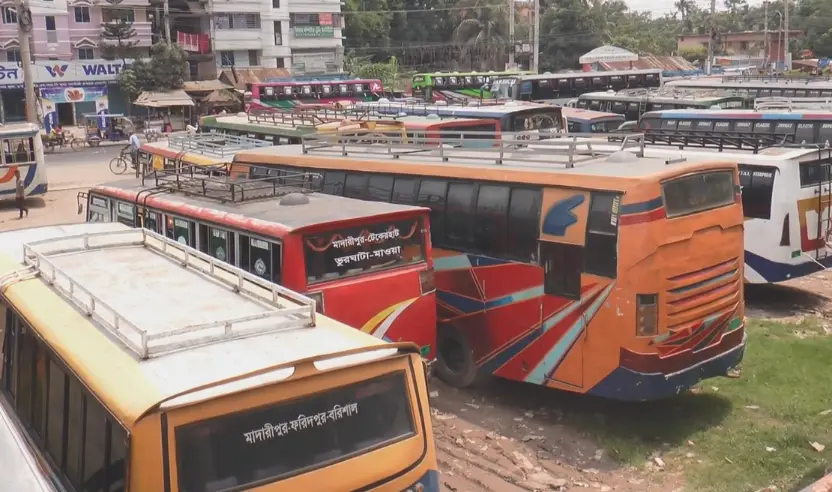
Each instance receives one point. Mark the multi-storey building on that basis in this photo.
(71, 77)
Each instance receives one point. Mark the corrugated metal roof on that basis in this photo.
(239, 77)
(669, 63)
(164, 99)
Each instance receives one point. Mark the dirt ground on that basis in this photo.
(504, 437)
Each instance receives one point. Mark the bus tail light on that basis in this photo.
(427, 281)
(647, 315)
(785, 237)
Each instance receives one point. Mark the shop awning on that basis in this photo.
(204, 85)
(608, 53)
(166, 99)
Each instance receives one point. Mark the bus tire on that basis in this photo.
(455, 362)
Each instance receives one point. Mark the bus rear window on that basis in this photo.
(334, 254)
(698, 192)
(267, 444)
(757, 188)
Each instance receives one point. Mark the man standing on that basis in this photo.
(19, 196)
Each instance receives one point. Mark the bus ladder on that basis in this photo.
(297, 313)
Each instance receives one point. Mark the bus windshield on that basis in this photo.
(239, 449)
(342, 252)
(699, 192)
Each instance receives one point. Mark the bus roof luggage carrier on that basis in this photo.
(754, 142)
(548, 148)
(63, 264)
(213, 144)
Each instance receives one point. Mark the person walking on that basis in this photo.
(19, 196)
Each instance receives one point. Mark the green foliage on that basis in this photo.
(116, 36)
(363, 67)
(165, 70)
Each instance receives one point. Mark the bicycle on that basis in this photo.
(118, 165)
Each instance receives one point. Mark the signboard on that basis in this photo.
(823, 63)
(314, 31)
(62, 73)
(51, 96)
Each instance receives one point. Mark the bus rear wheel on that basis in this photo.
(455, 362)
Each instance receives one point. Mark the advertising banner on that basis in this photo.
(80, 73)
(52, 96)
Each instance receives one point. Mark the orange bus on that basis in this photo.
(608, 274)
(367, 264)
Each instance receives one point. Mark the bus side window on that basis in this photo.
(491, 225)
(602, 235)
(805, 133)
(356, 186)
(261, 258)
(334, 182)
(403, 191)
(524, 223)
(432, 194)
(825, 133)
(181, 230)
(216, 242)
(561, 269)
(459, 216)
(380, 188)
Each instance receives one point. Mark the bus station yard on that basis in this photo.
(767, 427)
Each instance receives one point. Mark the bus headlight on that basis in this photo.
(647, 315)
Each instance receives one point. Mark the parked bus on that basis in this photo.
(134, 362)
(633, 104)
(606, 274)
(287, 95)
(739, 129)
(205, 149)
(441, 86)
(513, 116)
(367, 264)
(786, 198)
(755, 87)
(561, 87)
(588, 121)
(22, 151)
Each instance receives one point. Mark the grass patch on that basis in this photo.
(778, 402)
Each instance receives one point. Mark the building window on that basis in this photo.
(51, 32)
(333, 20)
(253, 58)
(275, 4)
(13, 55)
(278, 33)
(86, 54)
(227, 58)
(82, 14)
(9, 15)
(237, 21)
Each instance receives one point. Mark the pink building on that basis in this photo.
(66, 37)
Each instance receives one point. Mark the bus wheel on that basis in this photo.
(454, 358)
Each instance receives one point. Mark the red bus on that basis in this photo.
(367, 264)
(287, 95)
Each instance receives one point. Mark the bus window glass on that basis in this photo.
(814, 172)
(25, 382)
(722, 126)
(334, 183)
(356, 186)
(432, 196)
(181, 230)
(704, 125)
(95, 432)
(742, 127)
(491, 226)
(757, 188)
(788, 93)
(334, 254)
(217, 243)
(618, 107)
(699, 192)
(762, 127)
(524, 223)
(805, 133)
(459, 216)
(403, 191)
(562, 269)
(55, 418)
(380, 188)
(825, 133)
(151, 221)
(225, 451)
(260, 257)
(668, 124)
(126, 213)
(784, 129)
(601, 256)
(116, 471)
(39, 405)
(75, 433)
(684, 126)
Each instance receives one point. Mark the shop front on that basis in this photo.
(66, 91)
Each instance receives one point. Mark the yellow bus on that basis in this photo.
(131, 362)
(559, 263)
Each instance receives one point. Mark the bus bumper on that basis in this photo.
(629, 385)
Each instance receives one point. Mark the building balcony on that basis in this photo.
(90, 34)
(238, 39)
(276, 52)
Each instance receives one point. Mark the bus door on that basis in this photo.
(561, 253)
(824, 197)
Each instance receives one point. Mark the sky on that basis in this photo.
(661, 7)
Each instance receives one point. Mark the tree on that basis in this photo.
(363, 68)
(119, 32)
(483, 34)
(165, 70)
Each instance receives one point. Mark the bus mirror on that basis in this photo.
(81, 197)
(80, 208)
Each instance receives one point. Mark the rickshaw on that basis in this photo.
(116, 128)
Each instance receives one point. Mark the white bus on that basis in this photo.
(22, 150)
(786, 197)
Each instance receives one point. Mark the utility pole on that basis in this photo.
(765, 41)
(24, 24)
(711, 32)
(536, 44)
(787, 65)
(167, 21)
(511, 46)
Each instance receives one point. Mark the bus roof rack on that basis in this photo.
(789, 104)
(775, 78)
(500, 149)
(281, 315)
(214, 144)
(216, 183)
(716, 140)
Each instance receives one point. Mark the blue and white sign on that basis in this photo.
(77, 73)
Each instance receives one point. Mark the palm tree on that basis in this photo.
(482, 33)
(683, 6)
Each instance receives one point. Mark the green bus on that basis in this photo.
(447, 86)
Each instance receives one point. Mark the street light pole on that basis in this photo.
(24, 23)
